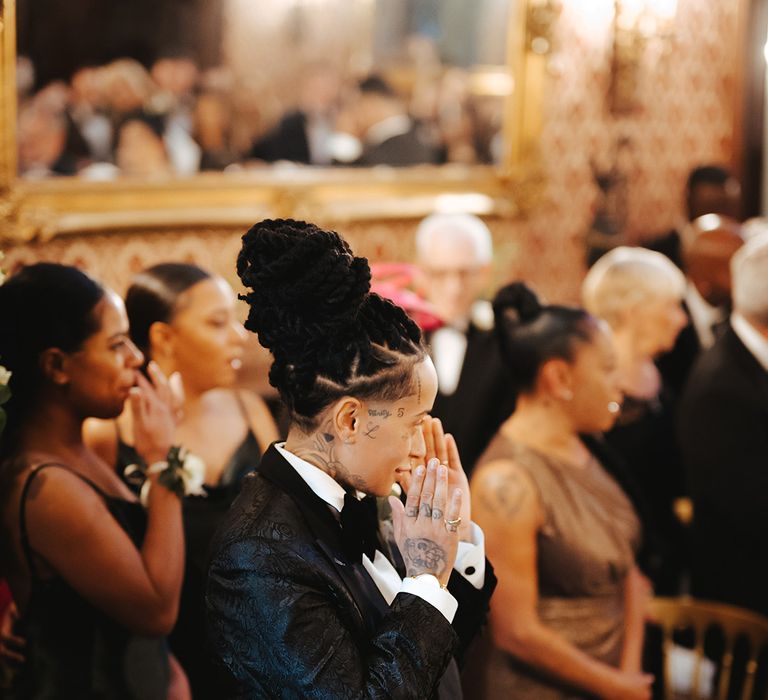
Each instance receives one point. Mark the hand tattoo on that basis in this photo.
(424, 556)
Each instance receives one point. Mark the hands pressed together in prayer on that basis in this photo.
(437, 511)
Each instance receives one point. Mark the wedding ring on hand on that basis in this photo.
(453, 525)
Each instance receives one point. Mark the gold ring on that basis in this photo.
(457, 521)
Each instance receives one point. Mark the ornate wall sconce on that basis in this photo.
(635, 23)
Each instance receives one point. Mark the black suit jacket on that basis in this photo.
(286, 141)
(724, 438)
(291, 616)
(404, 149)
(483, 399)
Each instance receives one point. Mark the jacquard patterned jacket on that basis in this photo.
(290, 616)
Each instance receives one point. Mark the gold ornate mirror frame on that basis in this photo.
(43, 209)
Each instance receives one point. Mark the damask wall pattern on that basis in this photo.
(686, 116)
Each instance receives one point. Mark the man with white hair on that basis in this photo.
(724, 438)
(455, 254)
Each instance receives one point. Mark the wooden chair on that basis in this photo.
(697, 615)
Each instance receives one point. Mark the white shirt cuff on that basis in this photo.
(470, 558)
(427, 587)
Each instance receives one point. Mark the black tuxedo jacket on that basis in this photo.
(291, 616)
(483, 399)
(403, 149)
(286, 141)
(724, 438)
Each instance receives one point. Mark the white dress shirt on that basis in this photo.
(470, 559)
(754, 340)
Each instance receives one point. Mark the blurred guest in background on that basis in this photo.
(567, 618)
(712, 241)
(710, 189)
(639, 293)
(455, 254)
(724, 439)
(388, 135)
(304, 134)
(184, 319)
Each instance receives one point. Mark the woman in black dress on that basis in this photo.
(96, 577)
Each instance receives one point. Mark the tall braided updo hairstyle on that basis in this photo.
(42, 306)
(531, 333)
(329, 336)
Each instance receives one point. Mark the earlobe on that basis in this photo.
(347, 419)
(161, 340)
(53, 363)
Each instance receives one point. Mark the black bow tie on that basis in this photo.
(360, 526)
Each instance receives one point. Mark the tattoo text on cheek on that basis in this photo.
(371, 430)
(379, 413)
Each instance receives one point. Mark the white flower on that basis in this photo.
(5, 375)
(193, 474)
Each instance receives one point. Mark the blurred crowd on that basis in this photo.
(123, 118)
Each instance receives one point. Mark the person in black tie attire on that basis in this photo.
(710, 189)
(712, 241)
(307, 598)
(455, 252)
(724, 438)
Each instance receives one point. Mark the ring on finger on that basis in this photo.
(453, 525)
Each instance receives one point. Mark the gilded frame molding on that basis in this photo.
(40, 210)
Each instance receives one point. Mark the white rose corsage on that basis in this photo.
(182, 472)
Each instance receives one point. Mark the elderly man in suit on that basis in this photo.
(724, 437)
(455, 252)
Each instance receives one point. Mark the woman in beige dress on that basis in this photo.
(566, 621)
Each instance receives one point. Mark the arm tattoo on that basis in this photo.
(506, 495)
(423, 556)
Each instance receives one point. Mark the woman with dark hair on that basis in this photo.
(183, 318)
(309, 594)
(567, 619)
(96, 577)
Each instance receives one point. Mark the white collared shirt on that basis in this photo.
(754, 340)
(470, 559)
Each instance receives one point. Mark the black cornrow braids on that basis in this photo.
(311, 306)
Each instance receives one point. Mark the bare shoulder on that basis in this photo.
(60, 501)
(503, 489)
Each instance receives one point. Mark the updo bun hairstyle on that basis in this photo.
(531, 333)
(42, 306)
(311, 306)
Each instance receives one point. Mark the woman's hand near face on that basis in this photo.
(427, 540)
(155, 407)
(442, 446)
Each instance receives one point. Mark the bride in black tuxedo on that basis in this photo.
(309, 593)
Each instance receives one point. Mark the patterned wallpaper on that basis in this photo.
(686, 119)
